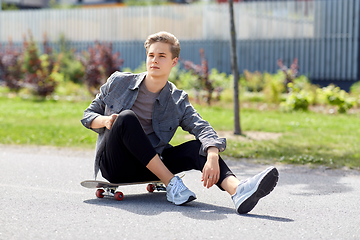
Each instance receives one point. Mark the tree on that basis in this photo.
(234, 69)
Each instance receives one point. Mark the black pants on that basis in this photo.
(128, 150)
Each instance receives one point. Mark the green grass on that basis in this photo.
(307, 137)
(44, 123)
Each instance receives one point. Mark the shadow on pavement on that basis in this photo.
(156, 203)
(266, 217)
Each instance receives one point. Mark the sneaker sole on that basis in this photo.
(266, 185)
(191, 198)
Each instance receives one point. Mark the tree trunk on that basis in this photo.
(235, 70)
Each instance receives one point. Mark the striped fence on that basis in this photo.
(322, 34)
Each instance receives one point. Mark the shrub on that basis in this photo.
(273, 87)
(202, 74)
(254, 82)
(355, 91)
(297, 99)
(70, 65)
(40, 72)
(99, 64)
(220, 82)
(335, 96)
(301, 94)
(290, 73)
(189, 81)
(8, 6)
(10, 67)
(303, 83)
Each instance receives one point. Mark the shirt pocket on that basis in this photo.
(169, 125)
(167, 129)
(112, 105)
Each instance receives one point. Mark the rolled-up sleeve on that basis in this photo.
(201, 129)
(96, 108)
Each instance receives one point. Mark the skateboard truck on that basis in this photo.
(109, 192)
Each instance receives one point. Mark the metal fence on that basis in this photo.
(323, 35)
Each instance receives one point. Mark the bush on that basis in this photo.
(252, 82)
(289, 73)
(99, 64)
(204, 83)
(8, 6)
(10, 67)
(274, 87)
(188, 81)
(220, 82)
(40, 72)
(355, 91)
(335, 96)
(297, 99)
(70, 65)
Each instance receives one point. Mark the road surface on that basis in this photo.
(41, 198)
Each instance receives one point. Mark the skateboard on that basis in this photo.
(110, 189)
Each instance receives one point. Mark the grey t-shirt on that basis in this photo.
(143, 107)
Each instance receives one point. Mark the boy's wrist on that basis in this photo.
(212, 149)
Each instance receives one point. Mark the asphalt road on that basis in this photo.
(41, 198)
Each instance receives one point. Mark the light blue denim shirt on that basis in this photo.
(171, 110)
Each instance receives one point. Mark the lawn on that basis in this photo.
(306, 137)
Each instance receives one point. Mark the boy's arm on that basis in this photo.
(97, 108)
(201, 129)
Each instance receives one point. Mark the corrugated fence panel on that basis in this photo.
(323, 35)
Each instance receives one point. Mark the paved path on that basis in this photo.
(41, 198)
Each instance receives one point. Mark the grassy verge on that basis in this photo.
(44, 123)
(307, 137)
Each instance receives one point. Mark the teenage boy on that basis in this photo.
(136, 115)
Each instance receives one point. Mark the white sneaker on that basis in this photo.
(249, 192)
(178, 193)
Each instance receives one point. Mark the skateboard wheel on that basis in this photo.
(99, 193)
(150, 187)
(119, 196)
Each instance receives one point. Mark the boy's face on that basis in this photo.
(159, 61)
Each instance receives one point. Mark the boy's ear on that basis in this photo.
(174, 62)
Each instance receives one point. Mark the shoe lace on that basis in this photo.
(178, 186)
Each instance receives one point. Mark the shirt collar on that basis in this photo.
(138, 80)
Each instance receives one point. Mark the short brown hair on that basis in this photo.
(164, 37)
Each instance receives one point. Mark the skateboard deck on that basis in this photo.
(110, 189)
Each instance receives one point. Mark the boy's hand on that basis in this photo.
(211, 170)
(109, 121)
